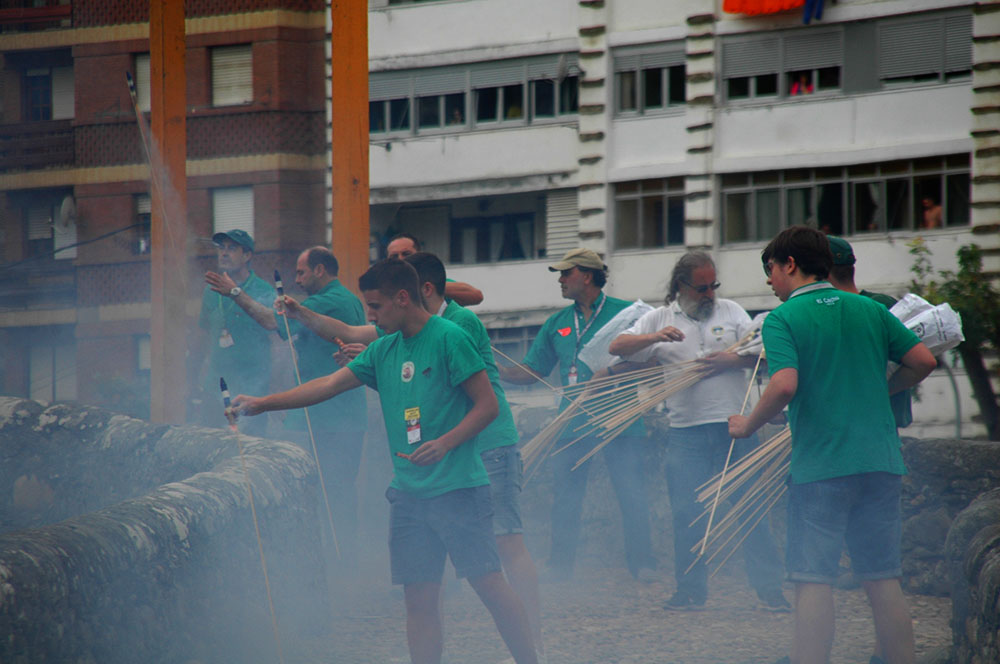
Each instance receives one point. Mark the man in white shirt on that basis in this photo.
(695, 324)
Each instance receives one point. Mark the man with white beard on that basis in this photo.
(695, 325)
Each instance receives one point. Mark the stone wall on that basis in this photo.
(148, 552)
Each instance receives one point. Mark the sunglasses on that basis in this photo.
(701, 290)
(768, 266)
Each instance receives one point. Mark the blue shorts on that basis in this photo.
(505, 468)
(863, 510)
(422, 531)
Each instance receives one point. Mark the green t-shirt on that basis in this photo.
(315, 357)
(502, 431)
(425, 372)
(840, 344)
(902, 406)
(246, 362)
(557, 342)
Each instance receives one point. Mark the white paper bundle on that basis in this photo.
(595, 352)
(909, 306)
(756, 344)
(940, 328)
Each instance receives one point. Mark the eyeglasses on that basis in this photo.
(701, 290)
(768, 266)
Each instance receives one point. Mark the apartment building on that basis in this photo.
(504, 133)
(74, 175)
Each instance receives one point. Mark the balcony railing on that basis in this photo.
(36, 144)
(17, 15)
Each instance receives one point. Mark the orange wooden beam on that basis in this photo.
(168, 191)
(349, 125)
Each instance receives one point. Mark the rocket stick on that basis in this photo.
(280, 287)
(231, 417)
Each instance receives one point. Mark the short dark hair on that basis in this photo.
(391, 276)
(842, 273)
(429, 268)
(323, 256)
(598, 277)
(683, 269)
(808, 246)
(406, 236)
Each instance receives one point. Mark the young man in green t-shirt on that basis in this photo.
(436, 398)
(827, 352)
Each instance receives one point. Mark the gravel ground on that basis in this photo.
(605, 616)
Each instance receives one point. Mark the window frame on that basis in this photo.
(673, 188)
(230, 98)
(666, 58)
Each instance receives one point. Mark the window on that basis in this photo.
(142, 98)
(143, 217)
(649, 80)
(48, 94)
(232, 75)
(786, 64)
(649, 213)
(52, 372)
(464, 97)
(505, 237)
(232, 208)
(866, 198)
(934, 48)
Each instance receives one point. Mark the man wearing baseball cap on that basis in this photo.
(238, 349)
(582, 275)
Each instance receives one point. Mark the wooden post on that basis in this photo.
(168, 190)
(349, 129)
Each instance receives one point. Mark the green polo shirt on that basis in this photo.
(345, 412)
(419, 384)
(502, 431)
(902, 406)
(840, 344)
(246, 364)
(557, 342)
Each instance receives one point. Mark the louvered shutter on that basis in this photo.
(562, 222)
(232, 75)
(958, 43)
(750, 57)
(813, 49)
(232, 208)
(439, 82)
(493, 74)
(907, 49)
(39, 223)
(62, 93)
(142, 81)
(662, 59)
(388, 85)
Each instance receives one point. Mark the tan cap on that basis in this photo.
(579, 258)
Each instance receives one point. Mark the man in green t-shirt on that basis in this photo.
(341, 419)
(827, 352)
(436, 398)
(235, 347)
(582, 276)
(842, 277)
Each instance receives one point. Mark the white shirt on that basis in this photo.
(711, 399)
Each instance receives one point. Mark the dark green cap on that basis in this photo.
(239, 236)
(841, 250)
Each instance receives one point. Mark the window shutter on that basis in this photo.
(232, 208)
(813, 49)
(909, 49)
(549, 66)
(143, 204)
(388, 85)
(41, 373)
(626, 62)
(440, 82)
(562, 222)
(142, 81)
(662, 59)
(750, 57)
(39, 223)
(958, 43)
(493, 74)
(232, 75)
(62, 93)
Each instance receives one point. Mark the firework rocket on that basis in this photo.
(230, 414)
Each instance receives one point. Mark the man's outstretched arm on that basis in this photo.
(463, 293)
(326, 327)
(306, 394)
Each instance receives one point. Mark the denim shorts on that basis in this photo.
(505, 468)
(863, 510)
(422, 531)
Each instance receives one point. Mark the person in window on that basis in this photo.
(932, 212)
(456, 117)
(802, 85)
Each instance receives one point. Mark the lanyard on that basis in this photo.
(581, 333)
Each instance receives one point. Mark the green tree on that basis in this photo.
(976, 299)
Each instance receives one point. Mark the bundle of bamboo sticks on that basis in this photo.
(754, 485)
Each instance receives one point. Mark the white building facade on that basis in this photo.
(505, 133)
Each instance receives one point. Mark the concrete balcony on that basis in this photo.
(25, 15)
(36, 145)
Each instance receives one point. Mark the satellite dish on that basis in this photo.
(67, 212)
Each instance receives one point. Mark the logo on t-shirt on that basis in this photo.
(828, 301)
(408, 371)
(564, 332)
(718, 330)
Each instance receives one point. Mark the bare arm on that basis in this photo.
(778, 393)
(628, 344)
(463, 293)
(223, 283)
(725, 361)
(326, 327)
(484, 410)
(916, 364)
(306, 394)
(520, 375)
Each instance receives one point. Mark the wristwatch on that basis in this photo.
(235, 291)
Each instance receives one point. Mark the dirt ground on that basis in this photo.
(604, 616)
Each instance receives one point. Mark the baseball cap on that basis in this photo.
(239, 236)
(579, 258)
(842, 252)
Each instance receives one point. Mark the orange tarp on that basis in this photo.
(759, 6)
